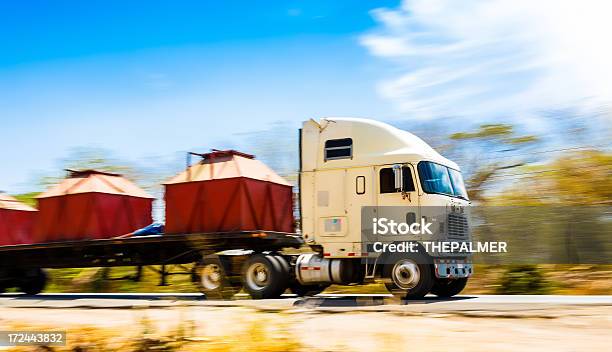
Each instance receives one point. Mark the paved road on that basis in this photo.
(377, 302)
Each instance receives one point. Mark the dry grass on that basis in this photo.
(262, 335)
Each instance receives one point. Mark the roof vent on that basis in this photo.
(88, 172)
(221, 155)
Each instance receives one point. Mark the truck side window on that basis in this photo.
(408, 183)
(360, 185)
(387, 180)
(338, 149)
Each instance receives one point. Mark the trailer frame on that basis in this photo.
(165, 251)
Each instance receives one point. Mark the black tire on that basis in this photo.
(307, 290)
(33, 281)
(264, 276)
(286, 269)
(448, 287)
(211, 276)
(409, 276)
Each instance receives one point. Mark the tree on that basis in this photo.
(581, 177)
(84, 158)
(494, 150)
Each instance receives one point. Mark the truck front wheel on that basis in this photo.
(263, 276)
(408, 276)
(448, 287)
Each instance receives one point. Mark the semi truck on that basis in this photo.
(349, 169)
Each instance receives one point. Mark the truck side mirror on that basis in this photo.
(398, 177)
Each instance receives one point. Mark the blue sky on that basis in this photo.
(150, 79)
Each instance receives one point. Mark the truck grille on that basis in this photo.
(457, 226)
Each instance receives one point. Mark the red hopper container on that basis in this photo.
(228, 191)
(91, 204)
(16, 221)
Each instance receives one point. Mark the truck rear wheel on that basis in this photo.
(211, 276)
(33, 281)
(408, 276)
(264, 276)
(448, 287)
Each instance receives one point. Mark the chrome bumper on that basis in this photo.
(453, 268)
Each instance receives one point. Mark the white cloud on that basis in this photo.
(495, 57)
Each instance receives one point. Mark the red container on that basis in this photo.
(16, 221)
(92, 205)
(228, 191)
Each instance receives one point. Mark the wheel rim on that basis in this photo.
(211, 277)
(258, 276)
(406, 274)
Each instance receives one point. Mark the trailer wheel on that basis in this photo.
(33, 281)
(263, 277)
(448, 287)
(409, 276)
(210, 274)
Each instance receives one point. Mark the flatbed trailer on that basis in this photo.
(22, 265)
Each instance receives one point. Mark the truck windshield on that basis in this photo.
(436, 178)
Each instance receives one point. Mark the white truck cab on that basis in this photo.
(350, 163)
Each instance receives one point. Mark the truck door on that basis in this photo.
(393, 203)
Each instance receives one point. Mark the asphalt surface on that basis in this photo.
(377, 302)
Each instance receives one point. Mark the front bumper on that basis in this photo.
(453, 268)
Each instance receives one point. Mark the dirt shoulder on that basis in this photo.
(431, 327)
